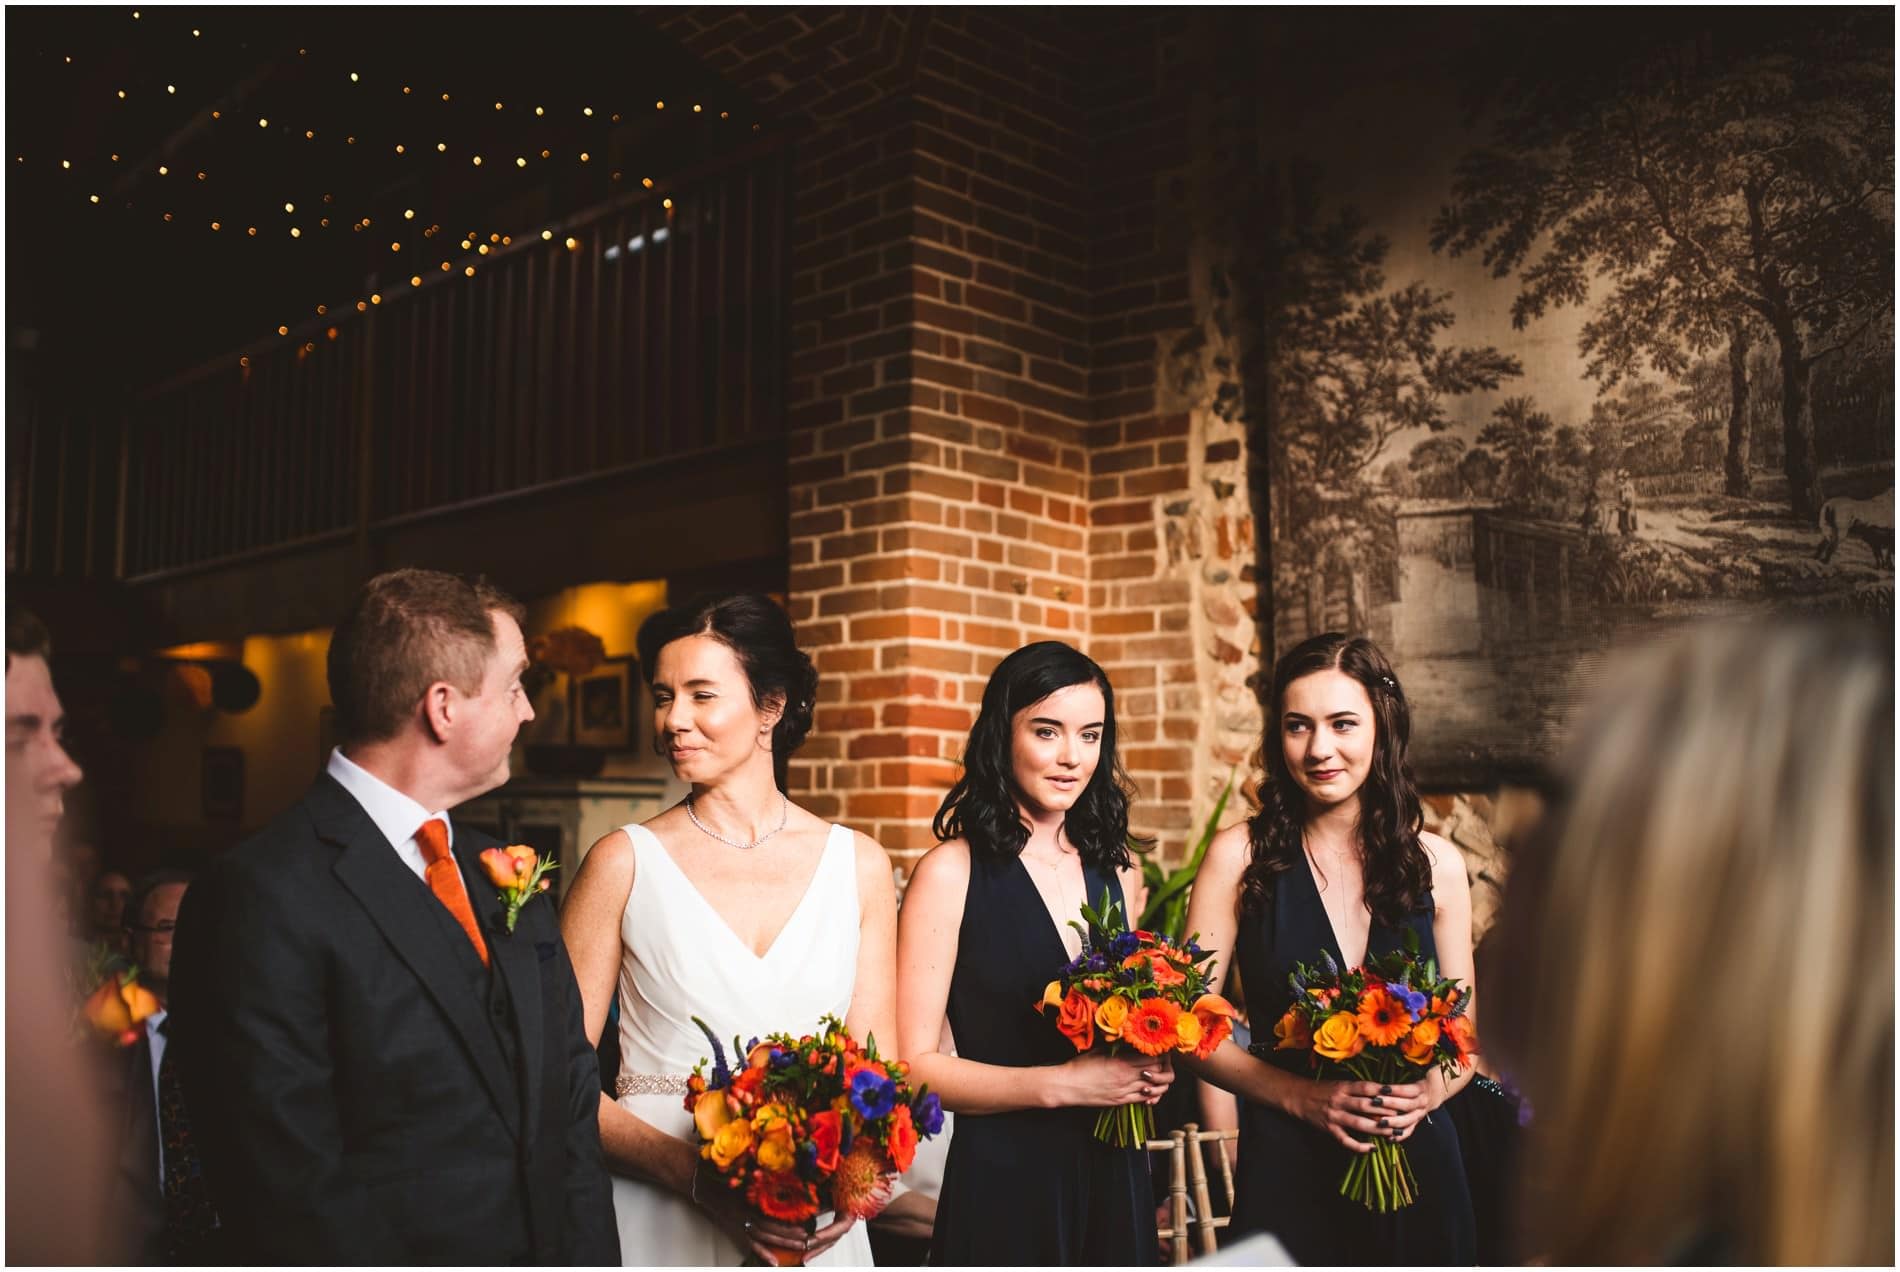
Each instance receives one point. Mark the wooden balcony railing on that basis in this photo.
(642, 331)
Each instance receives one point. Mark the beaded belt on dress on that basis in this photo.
(650, 1084)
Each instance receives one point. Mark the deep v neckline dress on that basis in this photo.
(1030, 1186)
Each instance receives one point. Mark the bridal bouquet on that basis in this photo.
(1135, 989)
(801, 1120)
(1391, 1021)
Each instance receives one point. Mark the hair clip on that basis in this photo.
(1388, 682)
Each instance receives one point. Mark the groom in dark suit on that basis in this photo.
(378, 1070)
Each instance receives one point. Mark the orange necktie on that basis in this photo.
(445, 880)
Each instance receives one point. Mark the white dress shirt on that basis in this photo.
(394, 813)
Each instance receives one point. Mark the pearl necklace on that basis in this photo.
(784, 812)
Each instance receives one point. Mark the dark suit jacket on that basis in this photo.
(362, 1090)
(138, 1202)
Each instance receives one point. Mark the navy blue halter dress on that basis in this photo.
(1031, 1186)
(1289, 1170)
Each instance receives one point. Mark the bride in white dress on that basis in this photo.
(736, 906)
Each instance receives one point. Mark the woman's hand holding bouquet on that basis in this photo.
(1382, 1028)
(1140, 992)
(803, 1122)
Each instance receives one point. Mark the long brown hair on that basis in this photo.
(1397, 873)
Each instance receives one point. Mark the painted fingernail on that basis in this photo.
(1385, 1090)
(1377, 1103)
(1381, 1121)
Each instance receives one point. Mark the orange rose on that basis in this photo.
(1164, 972)
(1077, 1022)
(1293, 1032)
(902, 1144)
(1150, 1028)
(501, 868)
(1382, 1018)
(1188, 1032)
(729, 1144)
(1110, 1015)
(1422, 1043)
(1338, 1037)
(827, 1131)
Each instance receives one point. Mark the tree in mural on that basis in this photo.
(1433, 465)
(1347, 364)
(1699, 189)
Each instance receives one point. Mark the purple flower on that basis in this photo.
(1097, 962)
(928, 1113)
(872, 1094)
(1414, 1000)
(781, 1058)
(1124, 945)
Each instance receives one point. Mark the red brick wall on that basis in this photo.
(989, 268)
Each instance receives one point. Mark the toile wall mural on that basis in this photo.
(1571, 329)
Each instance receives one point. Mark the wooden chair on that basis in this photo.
(1187, 1174)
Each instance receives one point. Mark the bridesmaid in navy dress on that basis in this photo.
(1335, 860)
(1037, 825)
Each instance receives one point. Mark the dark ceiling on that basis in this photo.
(252, 163)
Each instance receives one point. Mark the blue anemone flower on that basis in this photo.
(928, 1113)
(1124, 945)
(872, 1094)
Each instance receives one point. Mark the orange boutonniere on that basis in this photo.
(518, 872)
(119, 1006)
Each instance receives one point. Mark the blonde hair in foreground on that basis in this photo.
(1700, 989)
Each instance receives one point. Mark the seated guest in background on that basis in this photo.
(57, 1136)
(159, 1190)
(379, 1069)
(1035, 828)
(1696, 987)
(106, 901)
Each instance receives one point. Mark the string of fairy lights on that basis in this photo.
(98, 183)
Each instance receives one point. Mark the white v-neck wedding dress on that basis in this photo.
(678, 959)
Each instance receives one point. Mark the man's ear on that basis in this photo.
(438, 710)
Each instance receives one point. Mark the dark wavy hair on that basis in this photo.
(759, 634)
(1397, 872)
(982, 806)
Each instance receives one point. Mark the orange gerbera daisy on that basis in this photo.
(1149, 1028)
(1383, 1019)
(782, 1195)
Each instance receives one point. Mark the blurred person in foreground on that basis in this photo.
(57, 1134)
(1696, 964)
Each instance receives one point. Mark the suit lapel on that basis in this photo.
(514, 959)
(399, 904)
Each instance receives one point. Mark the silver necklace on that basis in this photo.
(785, 810)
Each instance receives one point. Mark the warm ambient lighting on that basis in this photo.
(546, 235)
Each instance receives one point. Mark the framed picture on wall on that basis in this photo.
(602, 704)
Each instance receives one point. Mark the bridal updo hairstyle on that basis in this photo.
(1397, 873)
(982, 807)
(759, 634)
